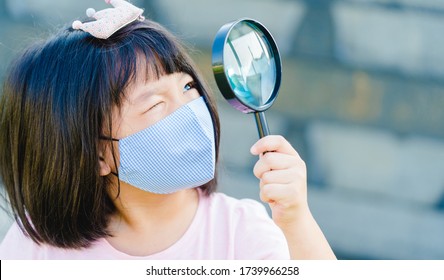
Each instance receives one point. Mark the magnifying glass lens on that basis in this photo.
(250, 66)
(247, 68)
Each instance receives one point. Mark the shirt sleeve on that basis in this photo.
(257, 236)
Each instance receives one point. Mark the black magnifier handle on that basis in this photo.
(261, 123)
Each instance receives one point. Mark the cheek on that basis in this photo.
(191, 95)
(133, 125)
(196, 94)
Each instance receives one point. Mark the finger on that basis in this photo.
(273, 143)
(276, 161)
(284, 176)
(282, 194)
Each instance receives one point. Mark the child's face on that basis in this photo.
(147, 102)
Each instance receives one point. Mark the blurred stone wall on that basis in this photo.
(361, 100)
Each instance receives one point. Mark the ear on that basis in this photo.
(105, 169)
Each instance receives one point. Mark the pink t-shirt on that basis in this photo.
(223, 228)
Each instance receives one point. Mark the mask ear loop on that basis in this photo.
(115, 162)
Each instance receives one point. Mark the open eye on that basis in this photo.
(189, 86)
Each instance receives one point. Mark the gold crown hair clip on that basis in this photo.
(108, 21)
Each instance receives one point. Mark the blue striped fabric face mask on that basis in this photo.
(176, 153)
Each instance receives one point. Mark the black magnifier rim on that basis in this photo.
(219, 69)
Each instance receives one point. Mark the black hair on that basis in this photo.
(57, 102)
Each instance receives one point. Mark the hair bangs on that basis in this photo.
(140, 47)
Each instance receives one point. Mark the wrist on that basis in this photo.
(302, 215)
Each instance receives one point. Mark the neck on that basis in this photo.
(147, 223)
(139, 209)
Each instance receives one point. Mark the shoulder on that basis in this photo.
(226, 208)
(221, 199)
(16, 245)
(255, 235)
(237, 209)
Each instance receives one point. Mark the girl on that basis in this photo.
(108, 145)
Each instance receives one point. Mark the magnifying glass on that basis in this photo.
(247, 68)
